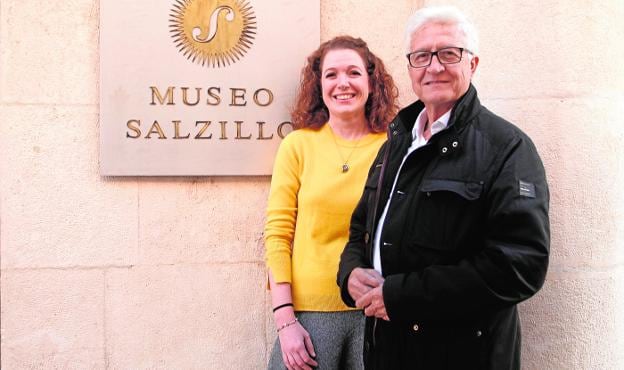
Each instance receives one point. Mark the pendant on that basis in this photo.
(345, 168)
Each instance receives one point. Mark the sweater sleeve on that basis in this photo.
(282, 211)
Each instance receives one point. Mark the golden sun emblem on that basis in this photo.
(213, 33)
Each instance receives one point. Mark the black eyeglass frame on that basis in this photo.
(435, 53)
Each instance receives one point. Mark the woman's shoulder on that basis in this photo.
(374, 139)
(301, 135)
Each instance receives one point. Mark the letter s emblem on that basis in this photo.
(212, 31)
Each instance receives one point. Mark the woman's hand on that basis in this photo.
(294, 340)
(297, 348)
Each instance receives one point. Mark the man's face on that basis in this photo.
(439, 86)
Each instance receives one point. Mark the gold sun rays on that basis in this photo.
(213, 33)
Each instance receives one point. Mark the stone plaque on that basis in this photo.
(199, 87)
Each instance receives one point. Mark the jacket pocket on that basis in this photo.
(446, 212)
(466, 190)
(373, 180)
(369, 196)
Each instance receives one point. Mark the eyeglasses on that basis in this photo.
(422, 59)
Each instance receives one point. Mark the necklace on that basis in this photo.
(345, 162)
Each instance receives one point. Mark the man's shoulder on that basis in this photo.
(496, 129)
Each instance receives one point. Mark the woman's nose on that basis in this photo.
(343, 81)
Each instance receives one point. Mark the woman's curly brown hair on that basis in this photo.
(309, 109)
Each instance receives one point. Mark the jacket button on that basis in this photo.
(395, 132)
(444, 150)
(415, 327)
(366, 237)
(455, 144)
(428, 193)
(479, 333)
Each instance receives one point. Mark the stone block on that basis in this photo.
(56, 209)
(49, 51)
(190, 220)
(576, 321)
(186, 317)
(52, 319)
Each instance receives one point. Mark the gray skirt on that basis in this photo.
(337, 337)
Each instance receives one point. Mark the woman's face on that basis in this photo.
(345, 84)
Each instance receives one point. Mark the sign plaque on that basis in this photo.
(199, 87)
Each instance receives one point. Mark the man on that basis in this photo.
(452, 230)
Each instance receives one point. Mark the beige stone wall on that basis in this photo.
(137, 273)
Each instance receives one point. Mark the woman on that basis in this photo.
(345, 101)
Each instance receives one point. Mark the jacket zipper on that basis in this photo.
(382, 171)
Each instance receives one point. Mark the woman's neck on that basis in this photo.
(349, 129)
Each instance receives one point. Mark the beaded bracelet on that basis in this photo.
(287, 325)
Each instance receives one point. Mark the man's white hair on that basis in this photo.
(442, 14)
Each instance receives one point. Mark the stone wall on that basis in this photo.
(137, 273)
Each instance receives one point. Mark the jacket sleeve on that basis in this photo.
(354, 255)
(508, 268)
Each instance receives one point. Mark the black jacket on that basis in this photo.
(466, 238)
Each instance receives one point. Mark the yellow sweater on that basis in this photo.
(309, 211)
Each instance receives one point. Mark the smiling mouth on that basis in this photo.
(344, 96)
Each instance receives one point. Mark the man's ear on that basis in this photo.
(474, 62)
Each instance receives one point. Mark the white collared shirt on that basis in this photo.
(417, 142)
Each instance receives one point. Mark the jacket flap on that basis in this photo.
(467, 190)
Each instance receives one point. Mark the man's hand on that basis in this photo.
(361, 281)
(373, 303)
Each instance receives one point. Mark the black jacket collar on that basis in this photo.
(464, 110)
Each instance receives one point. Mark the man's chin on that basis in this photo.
(437, 99)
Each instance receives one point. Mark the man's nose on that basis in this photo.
(435, 66)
